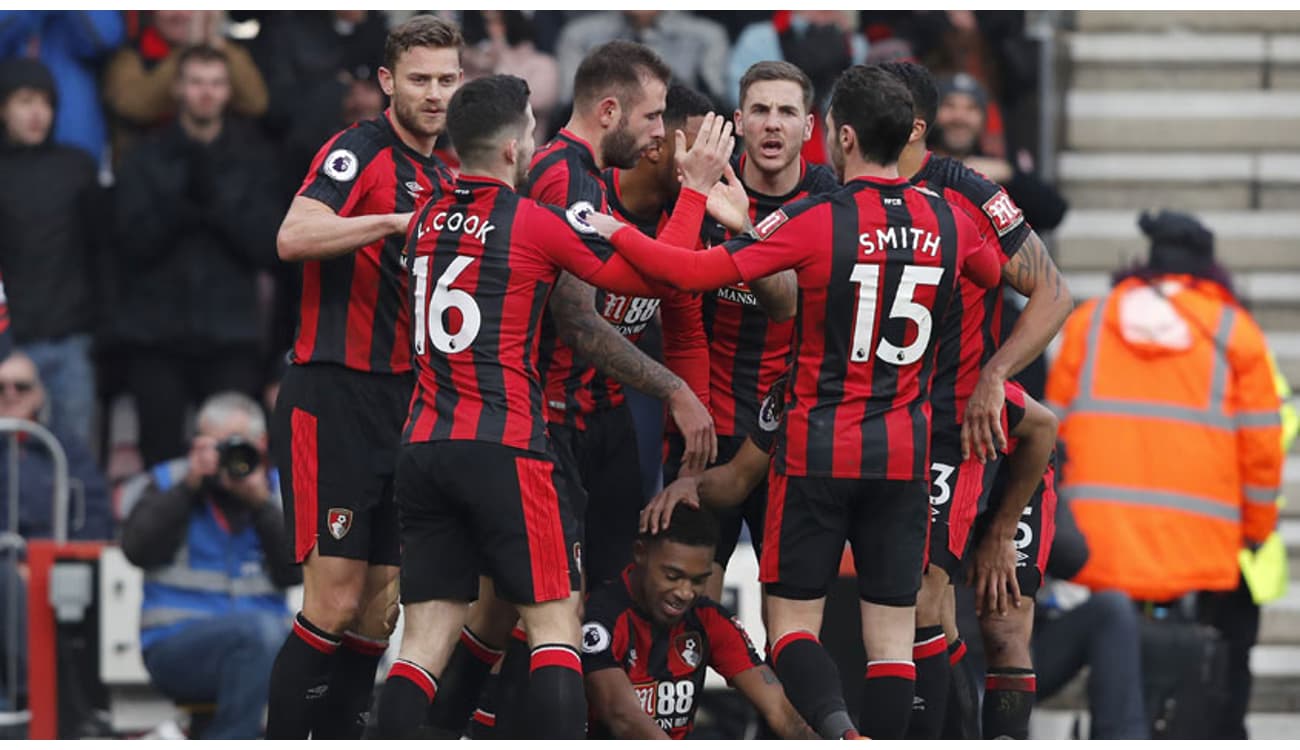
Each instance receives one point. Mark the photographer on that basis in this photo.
(208, 531)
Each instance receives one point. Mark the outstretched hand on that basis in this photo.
(728, 201)
(703, 164)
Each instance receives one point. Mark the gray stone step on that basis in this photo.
(1184, 180)
(1105, 239)
(1174, 120)
(1280, 620)
(1258, 288)
(1059, 724)
(1192, 20)
(1164, 60)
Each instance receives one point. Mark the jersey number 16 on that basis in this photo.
(444, 299)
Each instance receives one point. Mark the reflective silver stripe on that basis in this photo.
(1199, 505)
(154, 617)
(252, 586)
(1117, 408)
(1213, 414)
(1259, 419)
(1257, 494)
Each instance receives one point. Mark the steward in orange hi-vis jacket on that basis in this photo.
(1170, 421)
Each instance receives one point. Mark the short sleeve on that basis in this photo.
(786, 238)
(980, 257)
(729, 645)
(338, 176)
(564, 236)
(993, 211)
(600, 648)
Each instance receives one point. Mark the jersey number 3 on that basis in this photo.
(867, 277)
(443, 300)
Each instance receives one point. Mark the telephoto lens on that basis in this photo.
(237, 456)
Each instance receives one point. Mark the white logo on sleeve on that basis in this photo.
(1003, 212)
(577, 216)
(595, 638)
(340, 165)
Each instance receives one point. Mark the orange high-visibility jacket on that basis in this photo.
(1172, 436)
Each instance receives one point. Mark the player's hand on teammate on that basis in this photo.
(702, 166)
(401, 222)
(656, 515)
(604, 224)
(696, 425)
(981, 429)
(728, 202)
(994, 573)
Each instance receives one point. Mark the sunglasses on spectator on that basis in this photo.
(17, 386)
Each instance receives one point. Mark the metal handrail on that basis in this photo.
(13, 542)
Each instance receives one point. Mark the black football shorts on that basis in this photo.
(334, 437)
(958, 490)
(1034, 533)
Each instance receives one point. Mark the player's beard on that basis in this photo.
(619, 148)
(408, 116)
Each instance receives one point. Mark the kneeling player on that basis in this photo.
(650, 636)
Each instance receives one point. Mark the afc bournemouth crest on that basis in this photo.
(687, 646)
(340, 522)
(577, 555)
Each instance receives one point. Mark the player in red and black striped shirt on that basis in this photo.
(877, 262)
(338, 418)
(477, 484)
(651, 635)
(972, 362)
(748, 350)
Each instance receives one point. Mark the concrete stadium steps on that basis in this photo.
(1102, 240)
(1127, 120)
(1058, 724)
(1189, 20)
(1188, 180)
(1169, 60)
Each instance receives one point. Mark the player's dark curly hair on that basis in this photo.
(481, 109)
(694, 527)
(683, 103)
(920, 82)
(879, 109)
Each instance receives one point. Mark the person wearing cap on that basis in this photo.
(50, 207)
(1170, 420)
(959, 129)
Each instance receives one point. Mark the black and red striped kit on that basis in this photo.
(350, 374)
(968, 337)
(589, 420)
(877, 264)
(477, 483)
(666, 666)
(748, 353)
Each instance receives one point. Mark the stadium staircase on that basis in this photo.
(1197, 111)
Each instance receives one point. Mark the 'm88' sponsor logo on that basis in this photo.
(669, 701)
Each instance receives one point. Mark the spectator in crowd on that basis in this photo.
(694, 47)
(822, 43)
(210, 536)
(22, 396)
(1172, 432)
(50, 206)
(197, 213)
(959, 126)
(139, 79)
(501, 41)
(71, 43)
(1074, 629)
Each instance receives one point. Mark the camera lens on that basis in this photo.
(238, 457)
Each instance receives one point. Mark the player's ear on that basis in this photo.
(808, 127)
(386, 81)
(640, 553)
(511, 151)
(848, 139)
(609, 111)
(918, 131)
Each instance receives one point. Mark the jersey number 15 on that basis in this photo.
(867, 277)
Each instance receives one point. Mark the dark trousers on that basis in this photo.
(1236, 616)
(166, 384)
(1103, 634)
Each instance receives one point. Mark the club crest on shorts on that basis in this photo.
(773, 407)
(577, 555)
(340, 165)
(687, 646)
(340, 522)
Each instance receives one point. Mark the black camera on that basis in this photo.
(238, 457)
